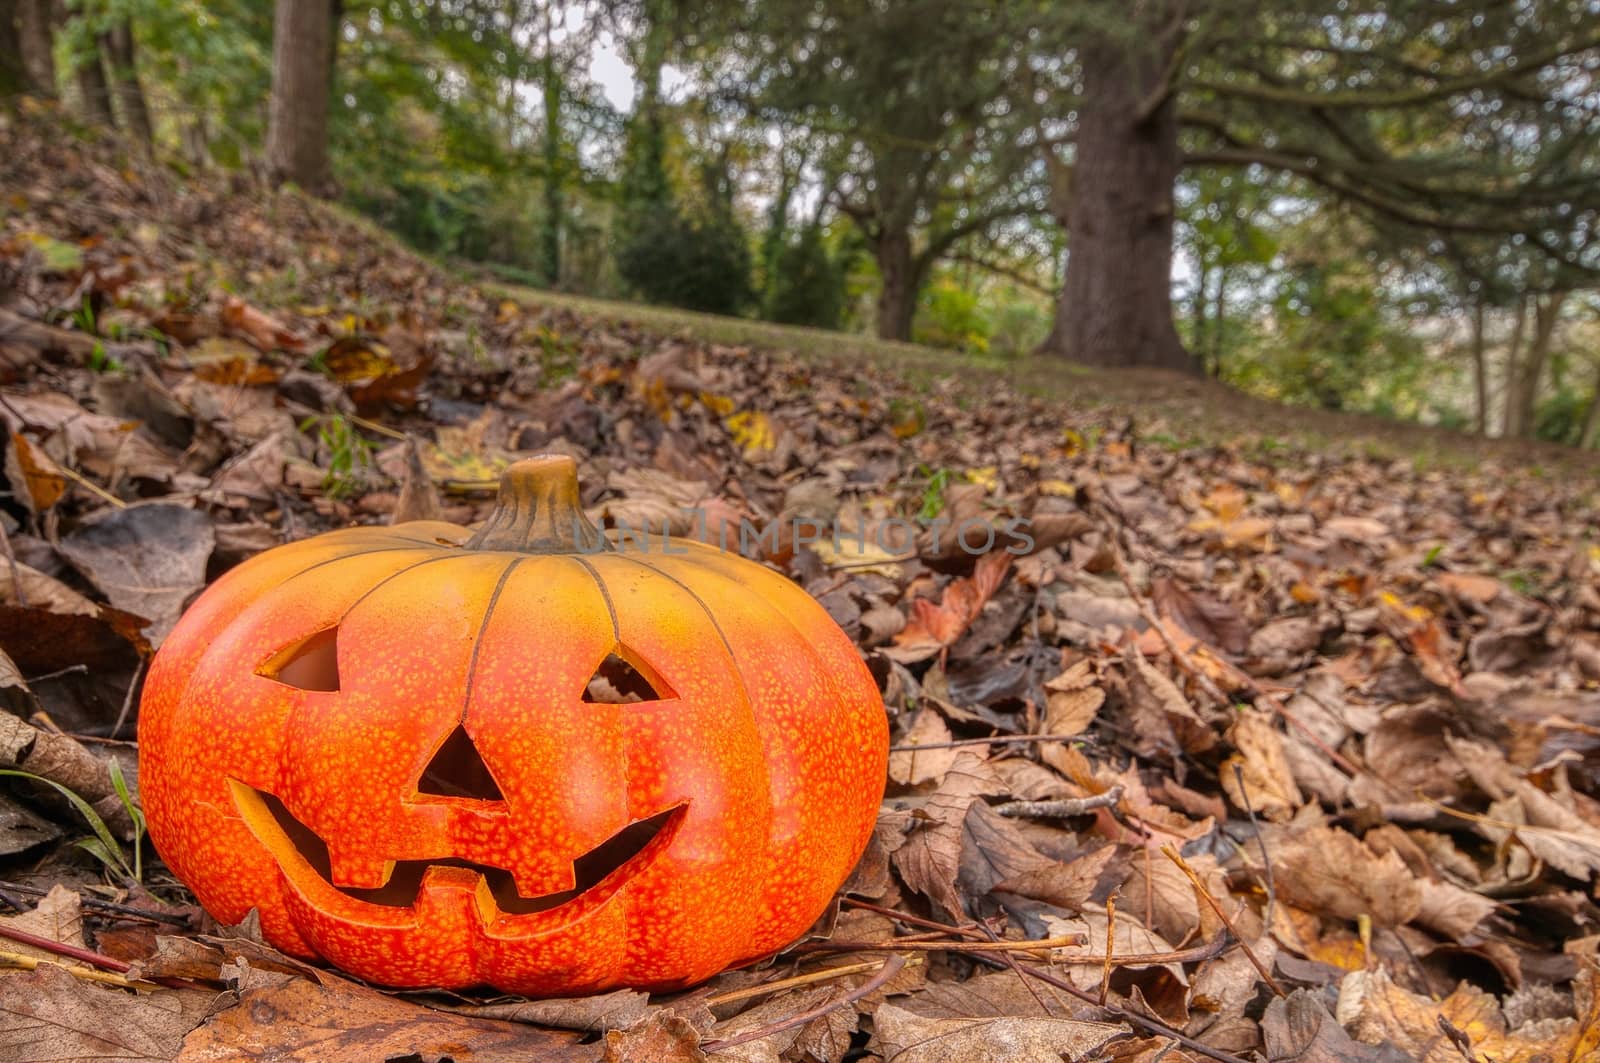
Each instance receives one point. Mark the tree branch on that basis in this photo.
(1398, 97)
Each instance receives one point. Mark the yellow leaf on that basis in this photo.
(1059, 488)
(753, 433)
(720, 405)
(987, 477)
(861, 556)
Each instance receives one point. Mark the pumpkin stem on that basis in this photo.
(537, 511)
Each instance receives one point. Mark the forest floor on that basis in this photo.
(1293, 751)
(1163, 408)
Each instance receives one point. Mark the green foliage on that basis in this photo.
(101, 843)
(699, 260)
(348, 455)
(807, 286)
(949, 315)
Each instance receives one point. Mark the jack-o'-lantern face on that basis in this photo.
(519, 759)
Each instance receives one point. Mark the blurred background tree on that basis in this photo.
(1377, 205)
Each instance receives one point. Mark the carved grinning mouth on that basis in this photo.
(602, 869)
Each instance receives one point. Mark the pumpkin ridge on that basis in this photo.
(420, 545)
(600, 584)
(727, 647)
(477, 643)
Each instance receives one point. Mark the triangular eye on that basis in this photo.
(457, 770)
(619, 682)
(311, 665)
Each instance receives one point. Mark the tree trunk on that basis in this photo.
(1219, 321)
(13, 74)
(297, 130)
(1509, 429)
(897, 292)
(1591, 418)
(1116, 301)
(38, 55)
(1480, 368)
(1546, 315)
(554, 175)
(94, 90)
(118, 46)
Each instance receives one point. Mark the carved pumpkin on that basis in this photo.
(520, 757)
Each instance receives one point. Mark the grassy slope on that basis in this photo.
(1168, 409)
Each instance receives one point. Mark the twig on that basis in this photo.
(30, 963)
(823, 974)
(1065, 808)
(1111, 940)
(1011, 962)
(994, 740)
(1200, 887)
(110, 907)
(1189, 955)
(1144, 1022)
(1058, 942)
(890, 968)
(89, 956)
(1266, 861)
(127, 699)
(83, 481)
(71, 669)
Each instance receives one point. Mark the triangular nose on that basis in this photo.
(457, 770)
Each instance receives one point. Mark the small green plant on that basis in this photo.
(349, 455)
(933, 493)
(101, 843)
(1432, 557)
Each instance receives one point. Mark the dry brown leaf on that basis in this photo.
(910, 767)
(1268, 781)
(1329, 871)
(906, 1037)
(930, 858)
(36, 479)
(663, 1036)
(149, 559)
(300, 1021)
(1376, 1010)
(48, 1016)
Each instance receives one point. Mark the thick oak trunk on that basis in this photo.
(1116, 300)
(38, 58)
(118, 46)
(897, 292)
(297, 124)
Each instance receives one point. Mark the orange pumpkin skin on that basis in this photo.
(761, 766)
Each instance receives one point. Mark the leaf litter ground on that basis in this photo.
(1220, 751)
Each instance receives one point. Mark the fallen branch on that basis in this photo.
(1064, 808)
(30, 963)
(83, 955)
(991, 741)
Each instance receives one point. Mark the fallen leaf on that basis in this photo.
(1329, 871)
(148, 559)
(48, 1016)
(341, 1022)
(906, 1037)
